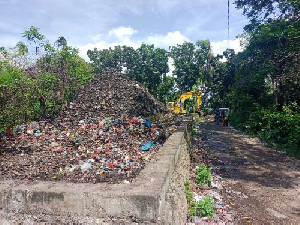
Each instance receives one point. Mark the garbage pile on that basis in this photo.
(113, 95)
(102, 136)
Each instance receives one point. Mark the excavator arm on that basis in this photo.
(178, 106)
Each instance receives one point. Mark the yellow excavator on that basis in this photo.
(180, 107)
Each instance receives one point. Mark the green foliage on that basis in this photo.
(22, 48)
(190, 104)
(188, 194)
(204, 208)
(203, 175)
(33, 34)
(193, 64)
(262, 11)
(268, 68)
(165, 90)
(278, 128)
(191, 203)
(147, 64)
(61, 41)
(282, 128)
(13, 103)
(198, 118)
(186, 66)
(192, 210)
(193, 132)
(264, 97)
(50, 79)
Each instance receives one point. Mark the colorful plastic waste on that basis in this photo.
(104, 129)
(147, 146)
(147, 123)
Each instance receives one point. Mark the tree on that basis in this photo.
(31, 89)
(205, 61)
(131, 62)
(166, 90)
(270, 63)
(261, 11)
(61, 41)
(186, 65)
(264, 97)
(33, 35)
(153, 66)
(147, 64)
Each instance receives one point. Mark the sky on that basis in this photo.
(89, 24)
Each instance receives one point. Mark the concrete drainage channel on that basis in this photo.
(156, 196)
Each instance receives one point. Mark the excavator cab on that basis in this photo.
(180, 105)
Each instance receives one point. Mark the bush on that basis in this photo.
(205, 207)
(281, 129)
(203, 175)
(278, 128)
(32, 94)
(201, 208)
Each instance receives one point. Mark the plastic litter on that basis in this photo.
(147, 146)
(148, 124)
(85, 166)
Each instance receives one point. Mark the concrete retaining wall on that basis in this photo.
(155, 196)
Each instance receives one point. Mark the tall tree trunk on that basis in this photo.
(275, 91)
(43, 106)
(62, 84)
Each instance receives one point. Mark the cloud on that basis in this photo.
(117, 36)
(103, 23)
(164, 41)
(125, 36)
(104, 45)
(220, 46)
(122, 32)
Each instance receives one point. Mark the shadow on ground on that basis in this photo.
(241, 157)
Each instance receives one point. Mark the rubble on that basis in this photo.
(102, 136)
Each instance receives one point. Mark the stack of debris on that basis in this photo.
(114, 95)
(102, 136)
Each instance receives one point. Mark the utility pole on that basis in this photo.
(228, 22)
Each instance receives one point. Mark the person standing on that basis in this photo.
(217, 116)
(222, 115)
(225, 120)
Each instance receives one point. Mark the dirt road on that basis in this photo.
(260, 184)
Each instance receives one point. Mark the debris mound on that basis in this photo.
(114, 94)
(102, 136)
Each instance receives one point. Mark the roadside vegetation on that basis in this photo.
(203, 175)
(201, 208)
(37, 78)
(205, 206)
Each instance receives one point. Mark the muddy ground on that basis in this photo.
(260, 184)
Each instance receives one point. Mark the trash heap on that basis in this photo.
(102, 136)
(113, 95)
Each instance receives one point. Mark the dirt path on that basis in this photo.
(260, 184)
